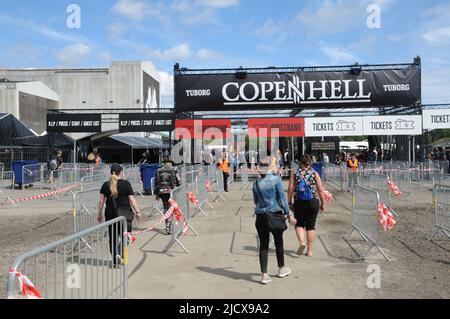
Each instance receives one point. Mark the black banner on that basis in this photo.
(213, 92)
(146, 122)
(74, 123)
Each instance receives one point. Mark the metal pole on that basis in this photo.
(414, 151)
(303, 145)
(409, 150)
(292, 150)
(74, 152)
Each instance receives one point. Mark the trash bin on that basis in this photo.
(318, 167)
(148, 171)
(17, 167)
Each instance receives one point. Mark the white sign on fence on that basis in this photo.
(334, 126)
(392, 125)
(436, 119)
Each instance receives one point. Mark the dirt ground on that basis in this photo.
(223, 261)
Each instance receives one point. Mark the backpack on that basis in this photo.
(53, 164)
(304, 192)
(166, 181)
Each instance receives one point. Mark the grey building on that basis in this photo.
(26, 93)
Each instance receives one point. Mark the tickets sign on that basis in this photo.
(334, 126)
(276, 127)
(436, 119)
(392, 125)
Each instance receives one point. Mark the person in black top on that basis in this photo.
(119, 198)
(166, 179)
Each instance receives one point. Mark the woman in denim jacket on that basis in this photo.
(269, 198)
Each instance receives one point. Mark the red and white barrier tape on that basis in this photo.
(40, 196)
(328, 196)
(394, 188)
(192, 198)
(386, 218)
(27, 288)
(207, 186)
(173, 210)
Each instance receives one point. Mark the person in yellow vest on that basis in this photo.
(224, 165)
(353, 166)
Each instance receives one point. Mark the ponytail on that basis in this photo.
(113, 184)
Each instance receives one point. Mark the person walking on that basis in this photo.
(224, 165)
(118, 195)
(56, 162)
(353, 166)
(271, 207)
(166, 179)
(306, 186)
(234, 164)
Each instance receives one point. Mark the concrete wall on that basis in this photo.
(9, 99)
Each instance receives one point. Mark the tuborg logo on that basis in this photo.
(296, 92)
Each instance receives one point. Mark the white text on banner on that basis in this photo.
(392, 125)
(436, 119)
(334, 126)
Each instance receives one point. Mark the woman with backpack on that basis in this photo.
(271, 210)
(305, 184)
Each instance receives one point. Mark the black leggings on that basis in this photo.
(115, 234)
(263, 234)
(165, 199)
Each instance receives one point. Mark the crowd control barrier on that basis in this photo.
(58, 271)
(85, 209)
(441, 195)
(202, 194)
(6, 185)
(180, 197)
(365, 220)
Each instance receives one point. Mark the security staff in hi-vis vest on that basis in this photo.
(224, 165)
(353, 166)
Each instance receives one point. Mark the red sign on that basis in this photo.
(267, 127)
(206, 129)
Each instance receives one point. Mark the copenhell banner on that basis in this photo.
(212, 92)
(281, 127)
(436, 119)
(193, 129)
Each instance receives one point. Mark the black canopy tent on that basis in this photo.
(12, 130)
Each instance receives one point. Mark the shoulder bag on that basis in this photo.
(275, 221)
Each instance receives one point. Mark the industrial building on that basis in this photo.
(27, 93)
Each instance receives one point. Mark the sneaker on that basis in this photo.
(265, 279)
(168, 231)
(283, 272)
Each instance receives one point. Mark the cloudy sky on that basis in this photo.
(229, 33)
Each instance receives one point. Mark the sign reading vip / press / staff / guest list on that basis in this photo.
(393, 125)
(73, 123)
(146, 122)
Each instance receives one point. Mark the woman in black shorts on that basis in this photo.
(306, 211)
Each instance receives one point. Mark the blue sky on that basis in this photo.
(229, 33)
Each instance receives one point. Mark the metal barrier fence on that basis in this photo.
(179, 196)
(212, 174)
(34, 173)
(202, 193)
(244, 179)
(220, 184)
(85, 209)
(334, 174)
(365, 219)
(441, 200)
(8, 154)
(59, 271)
(6, 185)
(2, 168)
(93, 181)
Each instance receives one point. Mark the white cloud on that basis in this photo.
(440, 35)
(338, 54)
(206, 54)
(179, 52)
(73, 54)
(105, 57)
(220, 3)
(166, 87)
(116, 30)
(131, 9)
(435, 85)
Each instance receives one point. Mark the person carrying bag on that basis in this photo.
(118, 195)
(272, 211)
